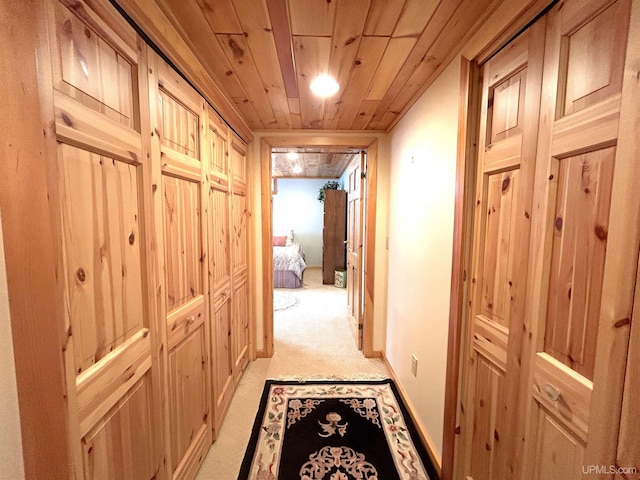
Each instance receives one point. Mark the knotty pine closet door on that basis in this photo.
(584, 253)
(240, 328)
(101, 198)
(504, 189)
(551, 303)
(178, 149)
(220, 290)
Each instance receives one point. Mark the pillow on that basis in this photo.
(285, 233)
(280, 241)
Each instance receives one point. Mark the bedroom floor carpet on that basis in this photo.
(312, 340)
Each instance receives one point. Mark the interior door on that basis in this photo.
(179, 114)
(586, 242)
(355, 189)
(504, 189)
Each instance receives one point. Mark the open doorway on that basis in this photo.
(364, 292)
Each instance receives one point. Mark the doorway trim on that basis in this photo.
(266, 144)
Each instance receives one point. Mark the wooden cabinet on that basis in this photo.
(334, 234)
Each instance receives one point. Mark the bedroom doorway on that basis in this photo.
(363, 295)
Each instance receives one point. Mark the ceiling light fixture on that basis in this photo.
(292, 155)
(324, 86)
(297, 169)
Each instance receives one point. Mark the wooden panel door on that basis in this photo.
(178, 113)
(586, 239)
(220, 297)
(113, 385)
(240, 329)
(504, 188)
(355, 195)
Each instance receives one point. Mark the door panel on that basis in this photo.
(354, 248)
(179, 127)
(504, 185)
(113, 389)
(586, 250)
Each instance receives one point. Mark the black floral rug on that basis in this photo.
(334, 430)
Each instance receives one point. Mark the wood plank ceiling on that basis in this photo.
(315, 162)
(383, 53)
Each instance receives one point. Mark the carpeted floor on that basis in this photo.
(311, 340)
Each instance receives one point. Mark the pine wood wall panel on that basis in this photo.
(179, 126)
(577, 265)
(240, 326)
(120, 446)
(239, 236)
(223, 378)
(182, 241)
(90, 70)
(188, 394)
(219, 248)
(102, 248)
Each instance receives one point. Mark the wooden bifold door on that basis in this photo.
(555, 249)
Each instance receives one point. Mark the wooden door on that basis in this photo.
(240, 333)
(585, 249)
(178, 113)
(102, 204)
(509, 112)
(220, 294)
(355, 193)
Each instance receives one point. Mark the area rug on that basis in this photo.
(283, 300)
(334, 430)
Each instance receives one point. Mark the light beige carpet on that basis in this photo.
(311, 340)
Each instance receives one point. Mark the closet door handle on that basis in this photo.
(553, 392)
(190, 320)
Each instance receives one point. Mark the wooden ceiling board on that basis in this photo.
(415, 16)
(313, 162)
(259, 36)
(312, 58)
(263, 54)
(419, 54)
(221, 15)
(351, 17)
(237, 52)
(369, 55)
(394, 57)
(312, 18)
(383, 16)
(213, 57)
(282, 37)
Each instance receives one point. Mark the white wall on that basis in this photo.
(296, 207)
(422, 194)
(11, 462)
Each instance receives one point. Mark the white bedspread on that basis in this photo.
(289, 258)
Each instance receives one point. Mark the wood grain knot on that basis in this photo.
(66, 119)
(358, 62)
(505, 184)
(558, 224)
(132, 238)
(622, 322)
(349, 41)
(601, 232)
(87, 33)
(81, 275)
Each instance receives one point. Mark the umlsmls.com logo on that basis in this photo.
(608, 470)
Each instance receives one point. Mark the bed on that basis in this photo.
(288, 262)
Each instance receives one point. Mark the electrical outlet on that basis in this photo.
(414, 365)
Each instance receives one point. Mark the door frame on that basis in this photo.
(366, 143)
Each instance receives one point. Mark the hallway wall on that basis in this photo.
(11, 463)
(296, 207)
(422, 193)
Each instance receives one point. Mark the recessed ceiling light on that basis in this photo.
(292, 155)
(297, 169)
(324, 86)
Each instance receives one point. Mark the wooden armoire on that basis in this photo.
(334, 234)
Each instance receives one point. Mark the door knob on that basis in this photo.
(190, 320)
(552, 392)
